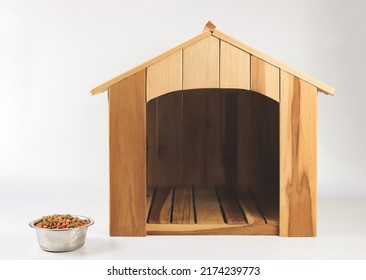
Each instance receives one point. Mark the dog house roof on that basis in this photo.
(210, 30)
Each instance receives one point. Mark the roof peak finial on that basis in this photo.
(209, 26)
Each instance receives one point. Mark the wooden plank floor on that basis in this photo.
(207, 210)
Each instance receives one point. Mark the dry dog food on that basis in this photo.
(59, 221)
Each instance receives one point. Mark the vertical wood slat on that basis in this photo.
(265, 78)
(149, 195)
(234, 67)
(270, 145)
(164, 76)
(250, 150)
(201, 64)
(169, 163)
(203, 162)
(151, 143)
(183, 212)
(161, 208)
(127, 118)
(230, 206)
(268, 195)
(229, 149)
(298, 133)
(213, 142)
(207, 206)
(194, 139)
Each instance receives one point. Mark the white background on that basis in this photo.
(54, 136)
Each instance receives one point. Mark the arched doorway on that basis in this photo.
(212, 162)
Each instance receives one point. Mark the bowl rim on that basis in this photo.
(33, 223)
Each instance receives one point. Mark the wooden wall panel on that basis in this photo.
(258, 150)
(201, 64)
(214, 139)
(265, 78)
(127, 117)
(152, 143)
(194, 139)
(249, 156)
(169, 164)
(164, 76)
(298, 134)
(234, 67)
(203, 162)
(229, 149)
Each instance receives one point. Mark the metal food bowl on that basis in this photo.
(61, 240)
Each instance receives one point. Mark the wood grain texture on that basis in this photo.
(207, 206)
(164, 76)
(161, 209)
(265, 78)
(258, 143)
(127, 117)
(152, 143)
(250, 208)
(106, 85)
(183, 212)
(201, 64)
(203, 117)
(229, 149)
(230, 206)
(250, 154)
(169, 163)
(217, 229)
(219, 35)
(149, 196)
(320, 85)
(234, 67)
(298, 134)
(203, 203)
(213, 142)
(269, 205)
(194, 139)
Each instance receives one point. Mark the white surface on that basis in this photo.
(54, 136)
(341, 235)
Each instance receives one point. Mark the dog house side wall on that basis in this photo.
(127, 142)
(298, 157)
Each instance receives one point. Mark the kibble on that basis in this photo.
(59, 221)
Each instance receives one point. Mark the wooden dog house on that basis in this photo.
(213, 137)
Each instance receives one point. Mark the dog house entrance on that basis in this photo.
(212, 163)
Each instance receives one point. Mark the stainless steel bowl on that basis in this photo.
(61, 240)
